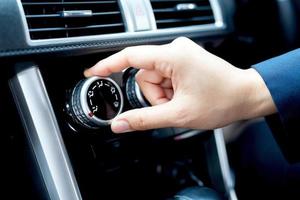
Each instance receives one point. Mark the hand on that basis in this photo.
(187, 87)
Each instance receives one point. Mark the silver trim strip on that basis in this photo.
(151, 16)
(76, 13)
(216, 8)
(188, 134)
(125, 11)
(224, 165)
(44, 135)
(141, 22)
(219, 25)
(186, 6)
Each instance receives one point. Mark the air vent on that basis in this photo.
(69, 18)
(177, 13)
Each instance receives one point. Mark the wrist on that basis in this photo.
(257, 100)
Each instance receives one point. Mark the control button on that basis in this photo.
(95, 102)
(134, 95)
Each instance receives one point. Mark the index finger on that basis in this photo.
(140, 57)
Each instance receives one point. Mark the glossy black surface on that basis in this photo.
(104, 99)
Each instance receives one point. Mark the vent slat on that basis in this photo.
(169, 15)
(75, 28)
(45, 20)
(58, 15)
(42, 16)
(195, 19)
(66, 3)
(204, 8)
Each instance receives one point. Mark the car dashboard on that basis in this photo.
(46, 45)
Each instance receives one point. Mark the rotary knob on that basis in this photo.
(134, 95)
(95, 102)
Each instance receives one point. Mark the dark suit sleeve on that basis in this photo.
(282, 77)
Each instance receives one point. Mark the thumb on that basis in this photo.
(159, 116)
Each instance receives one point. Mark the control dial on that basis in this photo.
(95, 102)
(134, 95)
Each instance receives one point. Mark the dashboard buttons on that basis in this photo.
(134, 95)
(95, 102)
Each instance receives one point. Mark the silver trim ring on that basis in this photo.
(84, 105)
(139, 95)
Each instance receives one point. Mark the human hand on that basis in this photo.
(187, 87)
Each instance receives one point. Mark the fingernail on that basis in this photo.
(87, 73)
(120, 126)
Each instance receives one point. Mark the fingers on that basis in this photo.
(166, 83)
(150, 84)
(138, 57)
(163, 115)
(142, 57)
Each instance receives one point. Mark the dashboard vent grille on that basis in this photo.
(69, 18)
(177, 13)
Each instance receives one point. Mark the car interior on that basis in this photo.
(56, 142)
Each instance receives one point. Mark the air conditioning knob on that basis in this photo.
(95, 102)
(134, 95)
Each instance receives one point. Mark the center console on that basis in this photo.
(67, 121)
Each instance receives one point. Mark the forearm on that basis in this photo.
(282, 77)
